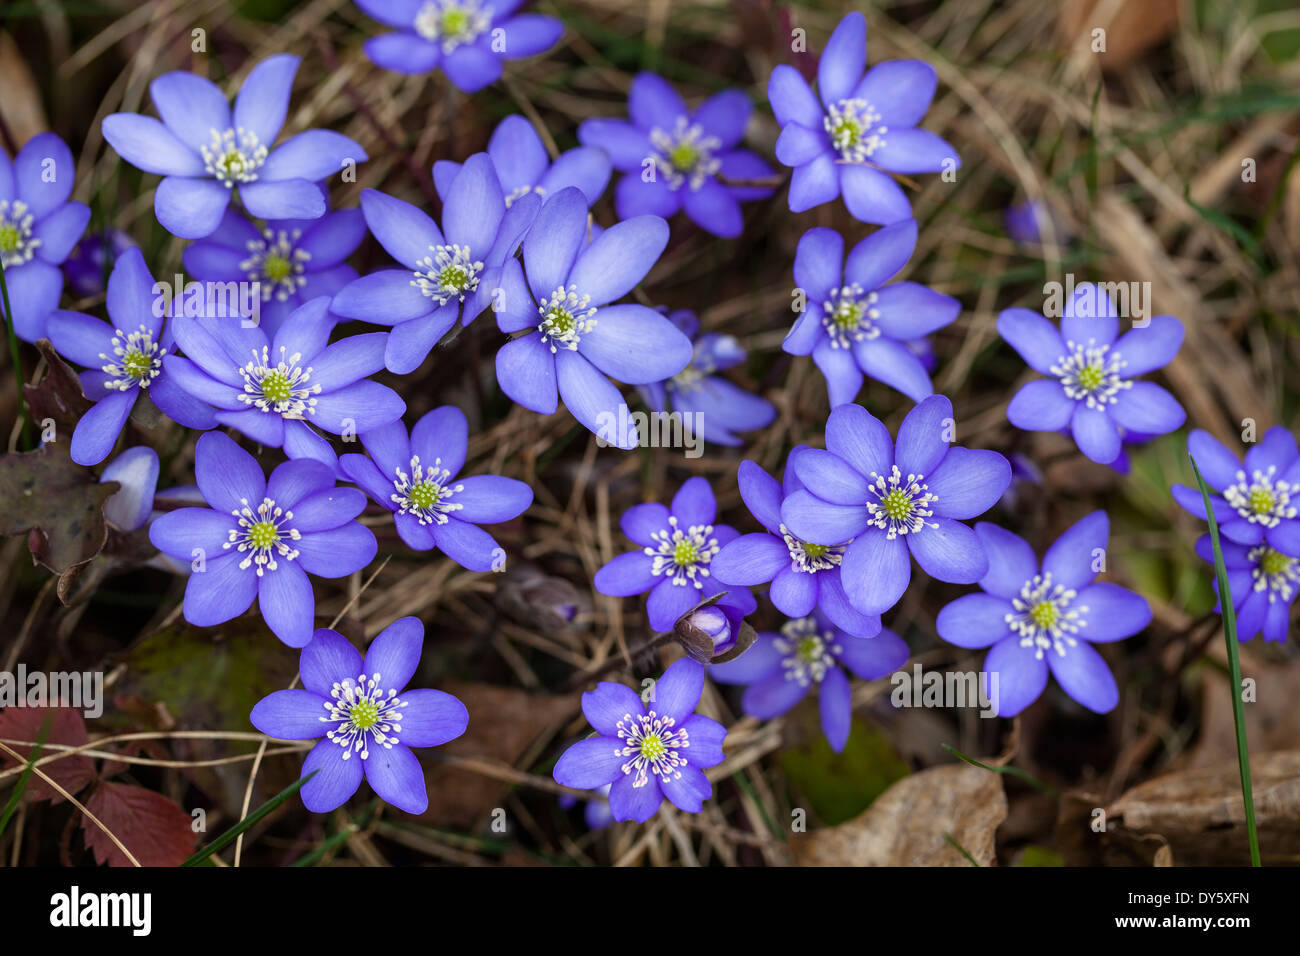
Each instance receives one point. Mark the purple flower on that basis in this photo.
(415, 477)
(447, 273)
(468, 39)
(852, 324)
(780, 670)
(38, 228)
(205, 151)
(674, 562)
(1026, 222)
(279, 390)
(701, 397)
(129, 358)
(1263, 583)
(863, 128)
(260, 538)
(595, 812)
(686, 155)
(91, 259)
(365, 719)
(292, 260)
(1037, 618)
(885, 500)
(804, 576)
(136, 470)
(1093, 390)
(523, 166)
(1253, 505)
(573, 333)
(646, 754)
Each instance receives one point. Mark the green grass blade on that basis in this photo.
(1016, 772)
(960, 849)
(11, 807)
(233, 833)
(1234, 667)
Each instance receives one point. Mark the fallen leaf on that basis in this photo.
(1134, 28)
(20, 107)
(153, 828)
(66, 728)
(906, 825)
(58, 502)
(57, 397)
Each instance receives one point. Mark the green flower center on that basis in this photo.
(424, 494)
(1261, 500)
(559, 322)
(685, 553)
(1045, 614)
(9, 238)
(276, 386)
(1273, 562)
(1090, 377)
(684, 156)
(652, 747)
(136, 364)
(454, 278)
(263, 534)
(276, 267)
(897, 504)
(809, 649)
(365, 714)
(815, 550)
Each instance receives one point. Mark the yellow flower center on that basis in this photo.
(1045, 614)
(263, 534)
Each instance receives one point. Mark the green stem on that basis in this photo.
(1234, 667)
(14, 357)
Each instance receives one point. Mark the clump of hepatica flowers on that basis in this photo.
(124, 361)
(278, 390)
(781, 668)
(853, 324)
(1263, 583)
(260, 538)
(804, 575)
(1092, 388)
(674, 562)
(1253, 505)
(523, 166)
(646, 751)
(365, 719)
(676, 159)
(702, 397)
(447, 273)
(38, 229)
(415, 477)
(862, 129)
(469, 40)
(292, 260)
(206, 152)
(1040, 618)
(573, 337)
(887, 500)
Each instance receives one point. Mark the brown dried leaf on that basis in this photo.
(20, 106)
(905, 826)
(59, 502)
(58, 395)
(153, 828)
(1135, 27)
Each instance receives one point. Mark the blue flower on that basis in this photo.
(861, 122)
(1040, 618)
(595, 812)
(292, 260)
(125, 361)
(136, 470)
(674, 562)
(260, 538)
(447, 273)
(469, 40)
(687, 155)
(573, 333)
(721, 406)
(91, 259)
(205, 151)
(1263, 583)
(853, 324)
(1026, 222)
(646, 754)
(364, 717)
(889, 500)
(1252, 505)
(279, 390)
(804, 576)
(38, 228)
(780, 670)
(523, 166)
(415, 477)
(1093, 389)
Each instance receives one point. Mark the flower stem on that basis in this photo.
(14, 357)
(1234, 667)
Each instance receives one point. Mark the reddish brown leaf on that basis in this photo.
(155, 830)
(67, 728)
